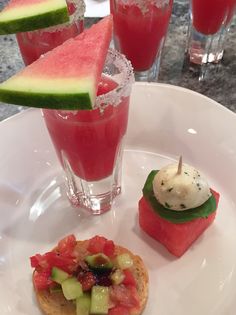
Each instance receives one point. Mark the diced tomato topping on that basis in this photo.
(96, 244)
(99, 244)
(109, 248)
(42, 280)
(59, 261)
(124, 295)
(34, 260)
(87, 280)
(66, 245)
(61, 258)
(119, 310)
(52, 259)
(129, 278)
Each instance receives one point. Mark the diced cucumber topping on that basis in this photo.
(99, 261)
(83, 304)
(124, 261)
(117, 276)
(71, 288)
(59, 275)
(99, 300)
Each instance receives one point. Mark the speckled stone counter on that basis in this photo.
(220, 83)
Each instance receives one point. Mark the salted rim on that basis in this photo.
(78, 15)
(143, 4)
(126, 76)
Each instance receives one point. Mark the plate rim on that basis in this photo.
(36, 114)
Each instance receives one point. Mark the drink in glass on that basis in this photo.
(210, 21)
(89, 143)
(140, 27)
(33, 44)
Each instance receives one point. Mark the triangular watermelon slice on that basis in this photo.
(66, 77)
(28, 15)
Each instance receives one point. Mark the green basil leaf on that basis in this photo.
(173, 216)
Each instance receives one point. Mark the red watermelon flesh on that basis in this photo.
(177, 238)
(18, 3)
(77, 57)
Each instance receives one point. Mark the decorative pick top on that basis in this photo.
(180, 187)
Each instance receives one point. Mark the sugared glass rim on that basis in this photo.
(143, 4)
(78, 15)
(126, 76)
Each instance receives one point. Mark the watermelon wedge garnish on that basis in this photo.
(66, 77)
(28, 15)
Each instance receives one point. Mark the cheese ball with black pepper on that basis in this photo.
(183, 191)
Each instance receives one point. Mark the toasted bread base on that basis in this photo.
(55, 303)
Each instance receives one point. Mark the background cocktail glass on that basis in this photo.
(209, 25)
(33, 44)
(140, 28)
(89, 143)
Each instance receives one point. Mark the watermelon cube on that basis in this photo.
(176, 237)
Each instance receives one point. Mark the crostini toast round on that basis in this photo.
(54, 303)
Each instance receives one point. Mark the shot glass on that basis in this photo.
(33, 44)
(209, 24)
(89, 143)
(140, 28)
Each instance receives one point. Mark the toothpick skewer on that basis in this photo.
(180, 165)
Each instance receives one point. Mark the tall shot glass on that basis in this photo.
(209, 24)
(140, 28)
(33, 44)
(89, 143)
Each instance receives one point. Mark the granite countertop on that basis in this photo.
(220, 84)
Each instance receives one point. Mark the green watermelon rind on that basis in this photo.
(31, 23)
(67, 101)
(202, 211)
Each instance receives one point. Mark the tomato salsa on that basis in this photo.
(93, 262)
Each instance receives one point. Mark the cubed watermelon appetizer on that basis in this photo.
(175, 229)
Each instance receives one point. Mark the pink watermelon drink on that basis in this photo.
(88, 139)
(89, 143)
(210, 15)
(85, 90)
(175, 208)
(210, 22)
(139, 29)
(33, 44)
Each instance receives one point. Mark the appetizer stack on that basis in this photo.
(94, 276)
(177, 206)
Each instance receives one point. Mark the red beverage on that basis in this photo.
(33, 44)
(210, 15)
(139, 32)
(90, 139)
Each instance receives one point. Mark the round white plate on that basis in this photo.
(165, 121)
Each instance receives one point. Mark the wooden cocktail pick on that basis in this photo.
(179, 171)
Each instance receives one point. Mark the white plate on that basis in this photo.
(97, 8)
(165, 121)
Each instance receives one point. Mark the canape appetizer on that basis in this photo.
(177, 206)
(94, 276)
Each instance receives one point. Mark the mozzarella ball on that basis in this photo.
(183, 191)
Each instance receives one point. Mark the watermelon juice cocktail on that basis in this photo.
(33, 44)
(89, 143)
(210, 21)
(140, 27)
